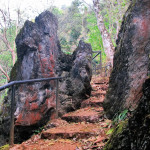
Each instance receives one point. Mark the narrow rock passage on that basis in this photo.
(83, 129)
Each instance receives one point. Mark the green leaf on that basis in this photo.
(110, 131)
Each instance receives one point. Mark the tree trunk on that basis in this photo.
(107, 42)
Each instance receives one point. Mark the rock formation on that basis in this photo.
(37, 51)
(40, 56)
(131, 60)
(78, 72)
(133, 134)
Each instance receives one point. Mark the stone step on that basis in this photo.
(55, 123)
(103, 87)
(98, 93)
(100, 80)
(75, 130)
(93, 101)
(88, 114)
(42, 144)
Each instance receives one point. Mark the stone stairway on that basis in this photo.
(83, 129)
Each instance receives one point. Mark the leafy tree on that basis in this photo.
(94, 35)
(70, 25)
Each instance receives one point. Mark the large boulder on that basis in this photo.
(78, 72)
(37, 52)
(131, 60)
(39, 56)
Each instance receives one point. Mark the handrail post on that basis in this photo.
(11, 140)
(105, 71)
(100, 60)
(57, 91)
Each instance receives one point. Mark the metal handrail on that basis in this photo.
(98, 53)
(12, 85)
(28, 81)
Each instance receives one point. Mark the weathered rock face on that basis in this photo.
(37, 51)
(78, 72)
(131, 59)
(40, 56)
(134, 133)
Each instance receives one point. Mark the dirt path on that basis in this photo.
(83, 129)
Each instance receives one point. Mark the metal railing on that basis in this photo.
(95, 65)
(99, 66)
(98, 53)
(12, 85)
(107, 69)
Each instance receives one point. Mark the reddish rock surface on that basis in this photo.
(100, 86)
(40, 56)
(37, 51)
(88, 114)
(94, 101)
(131, 60)
(55, 123)
(40, 144)
(79, 130)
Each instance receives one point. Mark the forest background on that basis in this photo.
(76, 22)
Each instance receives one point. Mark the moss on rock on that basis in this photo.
(117, 131)
(5, 147)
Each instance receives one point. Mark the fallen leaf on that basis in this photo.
(99, 139)
(51, 143)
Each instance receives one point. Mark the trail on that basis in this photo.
(83, 129)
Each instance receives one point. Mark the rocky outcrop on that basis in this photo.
(131, 60)
(78, 72)
(133, 134)
(40, 56)
(37, 51)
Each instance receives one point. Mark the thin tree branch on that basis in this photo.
(5, 73)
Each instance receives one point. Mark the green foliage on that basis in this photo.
(79, 22)
(67, 52)
(5, 59)
(110, 131)
(39, 130)
(11, 34)
(120, 117)
(74, 35)
(5, 147)
(116, 131)
(94, 35)
(56, 11)
(5, 54)
(118, 122)
(112, 12)
(70, 25)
